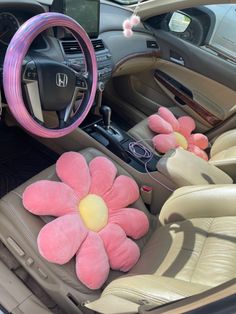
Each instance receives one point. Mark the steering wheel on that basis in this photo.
(50, 85)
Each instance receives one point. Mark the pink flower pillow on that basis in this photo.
(94, 223)
(176, 133)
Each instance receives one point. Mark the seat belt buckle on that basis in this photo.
(146, 194)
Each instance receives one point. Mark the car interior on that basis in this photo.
(71, 81)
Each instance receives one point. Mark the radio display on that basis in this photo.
(85, 12)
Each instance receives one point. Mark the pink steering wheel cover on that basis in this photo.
(12, 68)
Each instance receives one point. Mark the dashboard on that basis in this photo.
(111, 47)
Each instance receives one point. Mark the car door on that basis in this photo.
(197, 64)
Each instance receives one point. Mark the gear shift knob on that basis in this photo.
(106, 115)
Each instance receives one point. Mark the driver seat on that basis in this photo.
(195, 235)
(19, 230)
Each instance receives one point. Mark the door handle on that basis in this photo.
(178, 61)
(176, 58)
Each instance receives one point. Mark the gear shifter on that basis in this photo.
(113, 135)
(106, 115)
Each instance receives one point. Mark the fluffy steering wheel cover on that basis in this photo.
(12, 68)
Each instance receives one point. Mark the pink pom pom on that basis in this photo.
(134, 20)
(127, 25)
(128, 33)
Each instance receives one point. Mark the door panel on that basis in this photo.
(215, 98)
(184, 97)
(197, 59)
(201, 84)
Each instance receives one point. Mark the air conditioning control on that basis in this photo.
(104, 64)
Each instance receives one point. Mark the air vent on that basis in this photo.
(98, 44)
(71, 47)
(152, 44)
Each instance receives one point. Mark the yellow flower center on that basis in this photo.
(94, 212)
(181, 140)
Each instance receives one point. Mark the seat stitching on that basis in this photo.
(200, 253)
(17, 194)
(137, 294)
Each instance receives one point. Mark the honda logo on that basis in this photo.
(61, 80)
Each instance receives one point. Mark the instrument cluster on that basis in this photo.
(9, 25)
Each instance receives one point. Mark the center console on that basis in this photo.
(196, 170)
(119, 142)
(88, 16)
(74, 56)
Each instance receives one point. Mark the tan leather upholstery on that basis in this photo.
(226, 161)
(185, 168)
(141, 131)
(19, 225)
(223, 151)
(223, 142)
(192, 251)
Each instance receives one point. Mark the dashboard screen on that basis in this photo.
(85, 12)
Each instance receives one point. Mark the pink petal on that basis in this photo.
(164, 142)
(159, 125)
(186, 126)
(167, 115)
(92, 265)
(133, 221)
(123, 253)
(198, 152)
(59, 240)
(199, 140)
(72, 168)
(49, 198)
(103, 173)
(124, 192)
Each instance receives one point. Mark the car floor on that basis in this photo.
(21, 158)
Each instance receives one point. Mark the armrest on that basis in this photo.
(199, 202)
(184, 169)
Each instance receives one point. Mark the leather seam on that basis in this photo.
(143, 296)
(200, 253)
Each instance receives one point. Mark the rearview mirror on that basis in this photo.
(179, 22)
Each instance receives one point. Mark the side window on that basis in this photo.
(223, 38)
(211, 27)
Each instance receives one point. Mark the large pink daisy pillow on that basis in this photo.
(175, 133)
(94, 223)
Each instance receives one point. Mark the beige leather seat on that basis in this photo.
(190, 248)
(223, 151)
(192, 251)
(19, 230)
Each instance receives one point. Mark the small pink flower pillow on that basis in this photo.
(176, 133)
(94, 223)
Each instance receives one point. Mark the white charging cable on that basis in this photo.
(139, 151)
